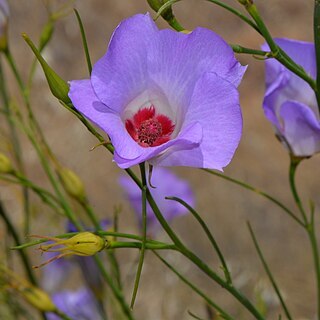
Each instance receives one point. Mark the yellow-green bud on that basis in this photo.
(82, 244)
(34, 295)
(5, 164)
(85, 244)
(38, 298)
(59, 88)
(4, 14)
(72, 184)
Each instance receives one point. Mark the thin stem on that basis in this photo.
(292, 173)
(13, 132)
(139, 245)
(198, 262)
(257, 191)
(23, 256)
(62, 315)
(15, 236)
(84, 41)
(209, 235)
(144, 234)
(194, 316)
(118, 294)
(223, 313)
(239, 49)
(44, 195)
(277, 52)
(237, 13)
(269, 273)
(309, 226)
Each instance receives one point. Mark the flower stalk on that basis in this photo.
(309, 225)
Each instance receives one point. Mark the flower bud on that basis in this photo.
(34, 295)
(72, 184)
(4, 14)
(5, 164)
(59, 88)
(38, 298)
(82, 244)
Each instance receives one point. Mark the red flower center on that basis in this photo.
(148, 128)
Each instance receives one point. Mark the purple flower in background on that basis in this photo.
(165, 97)
(166, 184)
(79, 304)
(289, 103)
(4, 14)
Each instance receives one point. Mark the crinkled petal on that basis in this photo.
(300, 128)
(215, 105)
(177, 60)
(121, 74)
(173, 60)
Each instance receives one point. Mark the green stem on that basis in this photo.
(84, 41)
(144, 234)
(209, 235)
(257, 191)
(44, 195)
(15, 236)
(198, 262)
(23, 256)
(13, 132)
(239, 49)
(277, 52)
(62, 315)
(118, 294)
(139, 245)
(316, 30)
(269, 273)
(237, 13)
(309, 226)
(223, 313)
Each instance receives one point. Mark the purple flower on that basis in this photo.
(166, 184)
(289, 103)
(165, 97)
(4, 14)
(78, 304)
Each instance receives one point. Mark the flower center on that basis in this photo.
(148, 128)
(149, 131)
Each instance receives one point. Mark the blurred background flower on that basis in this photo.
(77, 304)
(4, 17)
(166, 184)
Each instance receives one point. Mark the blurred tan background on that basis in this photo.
(260, 161)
